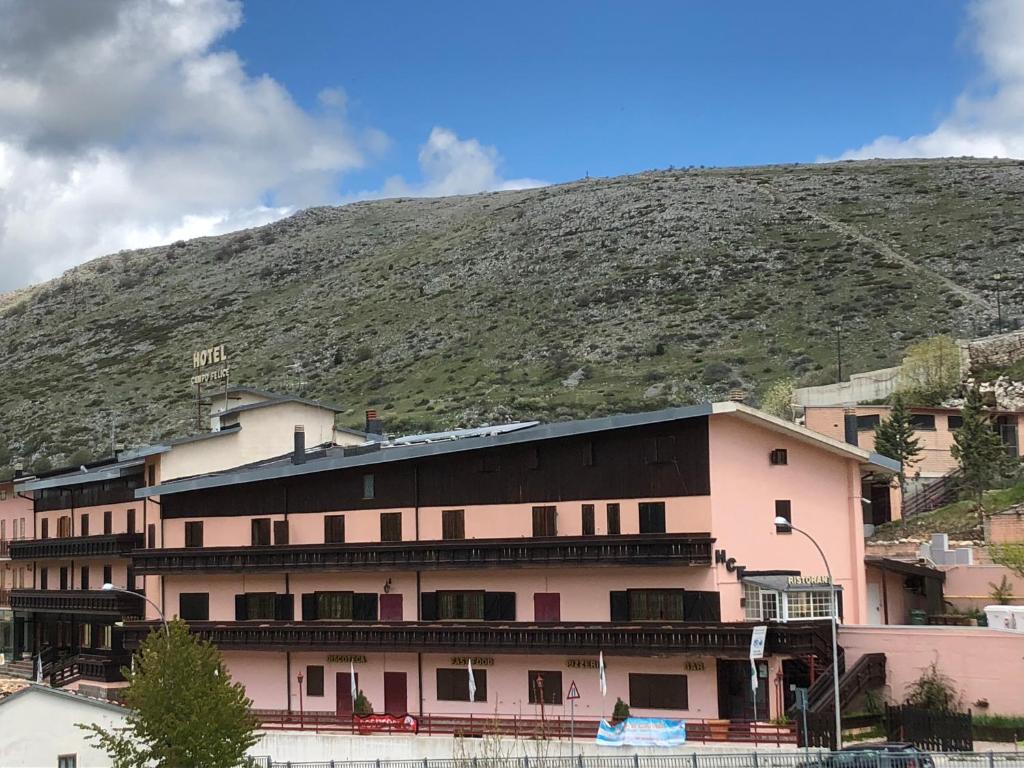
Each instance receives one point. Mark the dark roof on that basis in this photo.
(904, 567)
(337, 458)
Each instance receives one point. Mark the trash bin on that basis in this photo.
(918, 617)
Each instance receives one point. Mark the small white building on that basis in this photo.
(38, 728)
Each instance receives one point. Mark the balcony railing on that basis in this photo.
(561, 551)
(721, 639)
(77, 601)
(104, 545)
(101, 669)
(5, 598)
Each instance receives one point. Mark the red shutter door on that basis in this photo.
(391, 609)
(547, 606)
(395, 693)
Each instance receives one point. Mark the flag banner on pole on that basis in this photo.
(602, 681)
(753, 676)
(39, 668)
(642, 732)
(352, 683)
(472, 681)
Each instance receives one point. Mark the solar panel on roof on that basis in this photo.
(459, 434)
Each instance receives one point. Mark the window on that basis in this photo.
(63, 526)
(547, 606)
(652, 517)
(546, 682)
(453, 684)
(314, 680)
(760, 604)
(808, 605)
(105, 633)
(255, 605)
(588, 519)
(108, 574)
(261, 532)
(194, 533)
(281, 532)
(67, 761)
(334, 529)
(368, 489)
(954, 422)
(44, 529)
(390, 526)
(339, 606)
(545, 521)
(131, 521)
(84, 525)
(194, 606)
(108, 522)
(613, 520)
(655, 604)
(151, 475)
(3, 530)
(334, 605)
(3, 495)
(44, 578)
(84, 581)
(460, 605)
(151, 536)
(924, 421)
(453, 524)
(865, 423)
(784, 509)
(658, 691)
(85, 635)
(778, 457)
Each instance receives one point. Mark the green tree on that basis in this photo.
(778, 399)
(934, 691)
(1010, 556)
(979, 451)
(184, 710)
(930, 371)
(894, 438)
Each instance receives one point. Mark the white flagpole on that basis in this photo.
(39, 668)
(472, 680)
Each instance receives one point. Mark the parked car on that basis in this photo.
(888, 754)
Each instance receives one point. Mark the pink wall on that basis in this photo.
(825, 493)
(970, 586)
(119, 572)
(984, 663)
(264, 676)
(13, 510)
(119, 518)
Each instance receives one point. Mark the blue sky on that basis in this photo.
(131, 123)
(565, 88)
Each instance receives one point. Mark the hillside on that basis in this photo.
(600, 295)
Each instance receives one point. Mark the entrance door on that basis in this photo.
(875, 603)
(343, 681)
(735, 699)
(396, 700)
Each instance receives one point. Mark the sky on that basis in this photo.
(130, 123)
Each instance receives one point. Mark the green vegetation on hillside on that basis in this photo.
(598, 296)
(959, 519)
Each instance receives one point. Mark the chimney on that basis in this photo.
(850, 425)
(299, 453)
(737, 395)
(19, 470)
(374, 426)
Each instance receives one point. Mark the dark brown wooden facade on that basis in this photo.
(661, 460)
(77, 601)
(74, 547)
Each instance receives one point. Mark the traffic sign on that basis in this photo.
(574, 692)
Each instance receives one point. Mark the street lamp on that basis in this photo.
(781, 522)
(112, 588)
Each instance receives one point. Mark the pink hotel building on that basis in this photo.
(530, 549)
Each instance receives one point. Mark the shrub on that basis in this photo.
(362, 705)
(621, 711)
(934, 691)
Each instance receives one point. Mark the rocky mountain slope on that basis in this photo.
(596, 296)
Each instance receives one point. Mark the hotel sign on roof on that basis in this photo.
(203, 362)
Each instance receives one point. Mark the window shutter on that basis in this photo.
(702, 606)
(619, 606)
(492, 606)
(507, 606)
(284, 607)
(309, 607)
(428, 606)
(280, 531)
(839, 604)
(241, 608)
(364, 606)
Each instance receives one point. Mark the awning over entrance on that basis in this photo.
(790, 583)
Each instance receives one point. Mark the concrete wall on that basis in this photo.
(985, 664)
(861, 388)
(995, 351)
(38, 727)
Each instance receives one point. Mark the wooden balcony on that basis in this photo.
(77, 547)
(730, 640)
(5, 598)
(91, 601)
(100, 669)
(557, 551)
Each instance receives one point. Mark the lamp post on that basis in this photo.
(301, 717)
(781, 522)
(112, 588)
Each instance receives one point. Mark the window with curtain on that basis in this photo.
(334, 605)
(655, 604)
(460, 605)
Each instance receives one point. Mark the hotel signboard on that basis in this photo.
(209, 365)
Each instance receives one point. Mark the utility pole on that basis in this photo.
(839, 354)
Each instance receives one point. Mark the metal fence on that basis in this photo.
(793, 759)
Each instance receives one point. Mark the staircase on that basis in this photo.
(25, 669)
(866, 674)
(945, 490)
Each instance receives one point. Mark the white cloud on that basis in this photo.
(985, 121)
(454, 166)
(121, 127)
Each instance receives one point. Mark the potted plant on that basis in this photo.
(621, 711)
